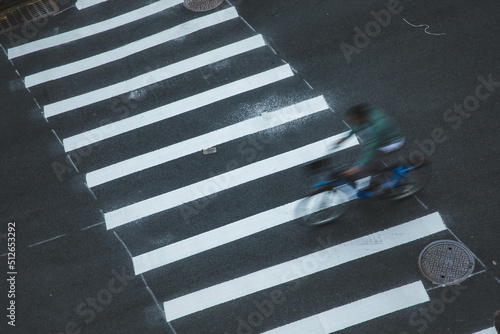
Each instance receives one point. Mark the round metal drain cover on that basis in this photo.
(201, 5)
(446, 262)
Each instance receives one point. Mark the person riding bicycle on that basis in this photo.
(382, 137)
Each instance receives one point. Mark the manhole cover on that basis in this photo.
(201, 5)
(446, 262)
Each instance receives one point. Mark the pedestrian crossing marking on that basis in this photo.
(121, 52)
(178, 107)
(82, 4)
(212, 139)
(224, 181)
(155, 76)
(215, 238)
(304, 266)
(358, 312)
(90, 30)
(326, 322)
(491, 330)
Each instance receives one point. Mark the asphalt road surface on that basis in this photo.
(152, 159)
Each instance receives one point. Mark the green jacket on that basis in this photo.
(381, 131)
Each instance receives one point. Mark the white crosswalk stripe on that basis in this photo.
(170, 71)
(217, 237)
(263, 122)
(222, 182)
(359, 311)
(82, 4)
(121, 177)
(307, 265)
(177, 108)
(141, 45)
(94, 29)
(491, 330)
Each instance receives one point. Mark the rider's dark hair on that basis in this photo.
(358, 111)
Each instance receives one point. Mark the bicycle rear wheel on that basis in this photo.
(323, 207)
(417, 178)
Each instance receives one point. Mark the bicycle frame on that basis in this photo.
(333, 191)
(395, 177)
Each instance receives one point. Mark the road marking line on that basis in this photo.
(183, 29)
(304, 266)
(90, 30)
(212, 139)
(421, 203)
(358, 312)
(155, 76)
(82, 4)
(44, 241)
(216, 237)
(91, 226)
(490, 330)
(178, 107)
(222, 182)
(477, 258)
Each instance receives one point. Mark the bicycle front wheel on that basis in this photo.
(323, 207)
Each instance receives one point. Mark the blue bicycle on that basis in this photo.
(331, 192)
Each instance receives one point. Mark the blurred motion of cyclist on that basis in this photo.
(381, 137)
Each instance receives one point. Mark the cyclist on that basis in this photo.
(381, 138)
